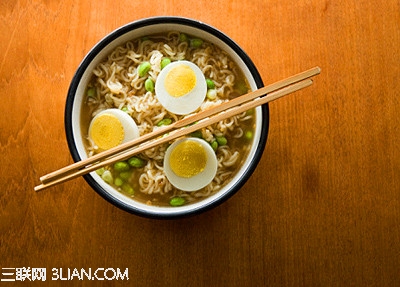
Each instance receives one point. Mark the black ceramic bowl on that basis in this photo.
(139, 29)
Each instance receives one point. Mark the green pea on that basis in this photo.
(165, 62)
(197, 134)
(211, 94)
(214, 145)
(124, 109)
(144, 68)
(183, 37)
(126, 187)
(248, 135)
(196, 43)
(136, 162)
(164, 122)
(121, 166)
(107, 176)
(91, 92)
(118, 181)
(210, 84)
(125, 175)
(100, 171)
(149, 85)
(177, 201)
(221, 140)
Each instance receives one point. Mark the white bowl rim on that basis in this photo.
(167, 212)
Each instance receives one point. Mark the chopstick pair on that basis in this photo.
(181, 128)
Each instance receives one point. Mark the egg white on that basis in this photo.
(185, 104)
(131, 130)
(199, 180)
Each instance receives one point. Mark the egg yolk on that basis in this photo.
(107, 131)
(180, 81)
(188, 159)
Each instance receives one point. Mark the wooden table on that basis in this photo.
(321, 209)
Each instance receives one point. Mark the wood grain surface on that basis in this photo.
(322, 207)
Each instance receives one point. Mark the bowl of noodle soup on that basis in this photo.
(110, 77)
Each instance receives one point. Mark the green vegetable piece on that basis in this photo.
(149, 85)
(127, 188)
(165, 62)
(118, 181)
(241, 87)
(125, 175)
(164, 122)
(183, 37)
(197, 134)
(196, 43)
(221, 140)
(211, 94)
(91, 92)
(248, 135)
(124, 109)
(136, 162)
(214, 145)
(144, 68)
(100, 171)
(177, 201)
(107, 177)
(121, 166)
(210, 84)
(250, 112)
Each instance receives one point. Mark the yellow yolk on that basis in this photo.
(188, 159)
(180, 81)
(107, 131)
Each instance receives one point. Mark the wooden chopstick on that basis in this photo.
(181, 123)
(180, 132)
(202, 119)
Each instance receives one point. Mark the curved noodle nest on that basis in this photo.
(116, 84)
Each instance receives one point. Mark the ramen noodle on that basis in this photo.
(117, 82)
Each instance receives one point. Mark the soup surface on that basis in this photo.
(126, 81)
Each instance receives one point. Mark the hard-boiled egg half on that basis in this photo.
(112, 127)
(190, 164)
(181, 87)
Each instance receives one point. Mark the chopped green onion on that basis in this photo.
(107, 176)
(100, 171)
(250, 112)
(241, 87)
(91, 92)
(211, 94)
(210, 84)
